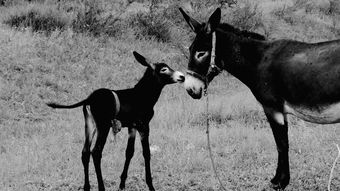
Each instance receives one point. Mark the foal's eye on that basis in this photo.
(164, 69)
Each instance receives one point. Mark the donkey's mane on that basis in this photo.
(244, 33)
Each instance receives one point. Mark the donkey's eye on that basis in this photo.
(164, 69)
(200, 54)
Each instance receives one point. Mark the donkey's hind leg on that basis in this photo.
(102, 132)
(90, 131)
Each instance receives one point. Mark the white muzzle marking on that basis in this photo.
(194, 86)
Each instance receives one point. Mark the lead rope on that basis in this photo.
(212, 63)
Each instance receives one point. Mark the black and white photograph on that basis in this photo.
(170, 95)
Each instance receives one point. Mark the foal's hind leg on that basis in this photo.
(90, 130)
(130, 149)
(102, 132)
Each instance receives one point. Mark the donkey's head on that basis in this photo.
(200, 53)
(160, 71)
(201, 68)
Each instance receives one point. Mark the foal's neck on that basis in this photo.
(239, 56)
(148, 89)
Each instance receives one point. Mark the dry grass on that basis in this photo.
(40, 148)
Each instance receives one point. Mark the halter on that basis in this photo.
(213, 69)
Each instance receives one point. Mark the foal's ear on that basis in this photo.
(141, 59)
(214, 21)
(194, 25)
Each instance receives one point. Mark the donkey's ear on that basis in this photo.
(141, 59)
(214, 21)
(194, 25)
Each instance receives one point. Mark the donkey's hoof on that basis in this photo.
(121, 186)
(281, 184)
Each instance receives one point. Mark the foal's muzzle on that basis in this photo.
(178, 77)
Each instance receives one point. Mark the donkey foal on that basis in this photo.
(132, 107)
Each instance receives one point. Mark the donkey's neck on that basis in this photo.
(239, 56)
(148, 89)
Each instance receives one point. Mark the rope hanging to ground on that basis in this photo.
(212, 63)
(334, 163)
(209, 145)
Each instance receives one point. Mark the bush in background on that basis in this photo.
(40, 17)
(83, 17)
(92, 17)
(150, 26)
(246, 16)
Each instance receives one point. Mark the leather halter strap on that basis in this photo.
(213, 51)
(197, 75)
(213, 69)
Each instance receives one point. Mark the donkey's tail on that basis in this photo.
(58, 106)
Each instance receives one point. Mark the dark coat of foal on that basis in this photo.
(132, 107)
(285, 76)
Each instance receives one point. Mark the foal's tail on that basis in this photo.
(58, 106)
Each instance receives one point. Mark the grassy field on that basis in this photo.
(89, 45)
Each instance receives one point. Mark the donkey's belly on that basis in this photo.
(321, 114)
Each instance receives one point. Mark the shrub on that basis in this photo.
(150, 26)
(39, 17)
(247, 16)
(88, 18)
(327, 7)
(334, 7)
(83, 17)
(92, 18)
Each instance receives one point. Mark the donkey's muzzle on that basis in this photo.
(194, 86)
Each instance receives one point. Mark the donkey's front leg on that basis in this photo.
(130, 149)
(144, 133)
(279, 125)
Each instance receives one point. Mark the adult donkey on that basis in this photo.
(285, 76)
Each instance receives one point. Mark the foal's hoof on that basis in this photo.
(121, 186)
(277, 187)
(87, 187)
(272, 187)
(151, 188)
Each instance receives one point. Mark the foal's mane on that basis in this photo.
(243, 33)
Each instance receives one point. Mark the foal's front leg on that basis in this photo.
(144, 133)
(279, 126)
(130, 149)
